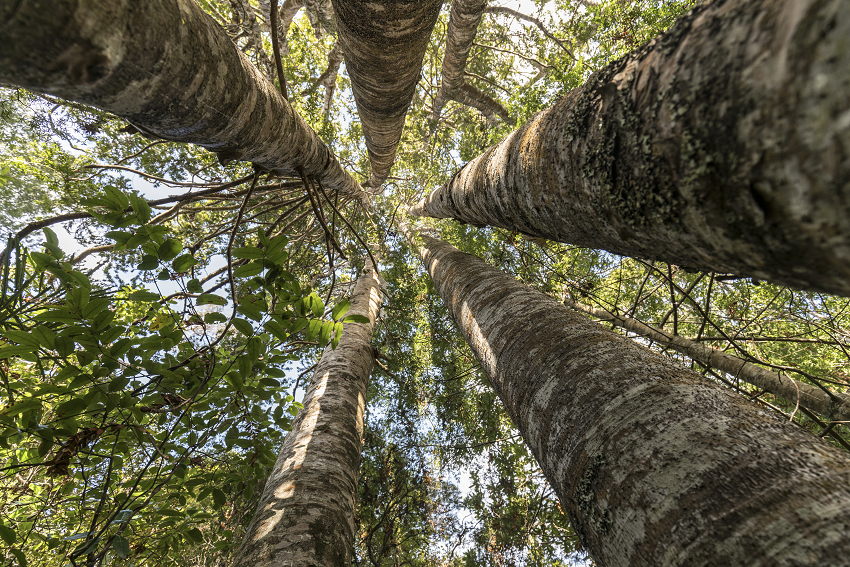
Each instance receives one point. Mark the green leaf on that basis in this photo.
(20, 556)
(249, 252)
(45, 336)
(235, 381)
(195, 535)
(22, 338)
(41, 260)
(44, 447)
(248, 270)
(117, 198)
(211, 299)
(250, 310)
(299, 324)
(23, 406)
(277, 330)
(313, 328)
(50, 236)
(141, 208)
(255, 348)
(277, 243)
(194, 286)
(163, 275)
(337, 334)
(316, 304)
(214, 317)
(121, 546)
(325, 334)
(64, 346)
(60, 315)
(143, 295)
(341, 309)
(169, 249)
(218, 497)
(243, 326)
(149, 262)
(10, 352)
(244, 364)
(183, 263)
(119, 236)
(356, 319)
(73, 406)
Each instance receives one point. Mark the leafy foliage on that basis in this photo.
(149, 378)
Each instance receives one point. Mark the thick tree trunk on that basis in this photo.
(384, 42)
(464, 18)
(305, 516)
(723, 145)
(655, 464)
(168, 69)
(833, 405)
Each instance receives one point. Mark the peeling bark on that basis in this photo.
(464, 18)
(305, 516)
(384, 43)
(724, 145)
(171, 71)
(655, 464)
(834, 405)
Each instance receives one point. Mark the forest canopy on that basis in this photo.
(164, 306)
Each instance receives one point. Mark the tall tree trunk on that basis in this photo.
(464, 18)
(655, 464)
(384, 42)
(171, 71)
(833, 405)
(306, 513)
(724, 145)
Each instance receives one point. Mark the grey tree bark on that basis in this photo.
(305, 516)
(721, 145)
(464, 18)
(655, 464)
(168, 69)
(383, 42)
(833, 405)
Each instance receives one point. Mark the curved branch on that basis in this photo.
(463, 25)
(535, 21)
(834, 405)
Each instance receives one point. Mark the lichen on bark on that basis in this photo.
(721, 145)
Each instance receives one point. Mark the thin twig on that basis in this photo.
(276, 49)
